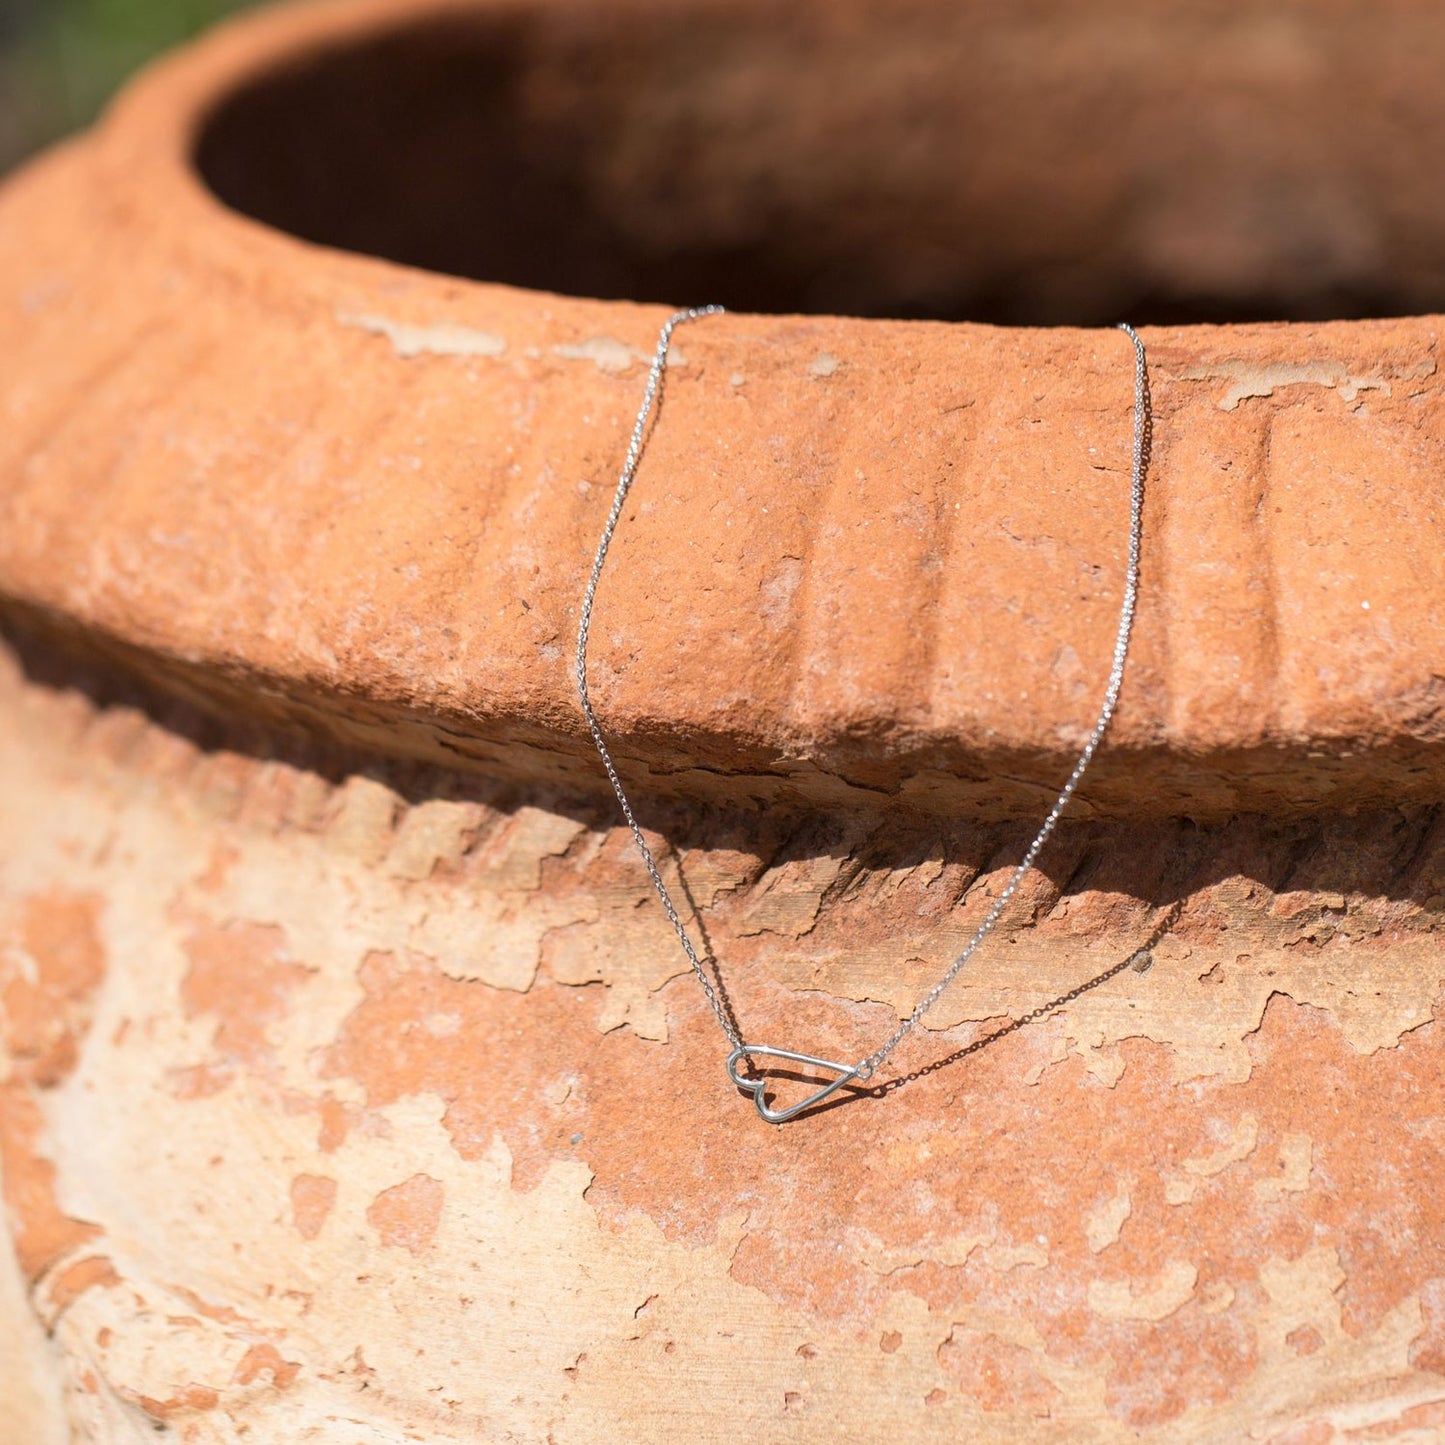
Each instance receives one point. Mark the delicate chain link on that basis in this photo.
(624, 485)
(1143, 439)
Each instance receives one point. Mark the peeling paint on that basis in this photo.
(1103, 1223)
(407, 1215)
(47, 981)
(373, 1113)
(787, 903)
(313, 1197)
(243, 975)
(633, 963)
(433, 834)
(365, 813)
(997, 1373)
(1155, 1301)
(1296, 1154)
(1243, 1137)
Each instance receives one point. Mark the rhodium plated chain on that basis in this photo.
(619, 499)
(742, 1052)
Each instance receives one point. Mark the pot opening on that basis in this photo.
(1030, 164)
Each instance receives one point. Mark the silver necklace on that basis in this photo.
(743, 1053)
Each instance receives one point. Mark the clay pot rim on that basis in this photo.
(1182, 752)
(162, 114)
(164, 110)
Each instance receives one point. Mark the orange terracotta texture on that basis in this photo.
(338, 1097)
(352, 1085)
(871, 564)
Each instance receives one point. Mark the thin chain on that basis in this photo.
(624, 485)
(1143, 438)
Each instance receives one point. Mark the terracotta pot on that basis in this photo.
(356, 1088)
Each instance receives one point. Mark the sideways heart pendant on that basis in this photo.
(843, 1075)
(847, 1074)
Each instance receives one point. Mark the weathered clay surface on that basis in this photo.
(869, 563)
(357, 1106)
(352, 1086)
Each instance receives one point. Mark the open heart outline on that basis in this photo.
(847, 1074)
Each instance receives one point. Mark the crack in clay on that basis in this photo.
(444, 339)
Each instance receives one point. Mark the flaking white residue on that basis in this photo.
(1246, 379)
(444, 339)
(609, 354)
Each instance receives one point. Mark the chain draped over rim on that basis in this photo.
(866, 1067)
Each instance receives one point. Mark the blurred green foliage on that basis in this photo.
(60, 60)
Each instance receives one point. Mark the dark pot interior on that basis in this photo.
(1046, 162)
